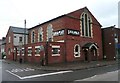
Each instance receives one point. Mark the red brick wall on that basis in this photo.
(51, 59)
(56, 59)
(57, 24)
(67, 22)
(9, 45)
(108, 43)
(72, 40)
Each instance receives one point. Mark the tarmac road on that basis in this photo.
(19, 72)
(109, 76)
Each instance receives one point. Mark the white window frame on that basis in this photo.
(23, 51)
(35, 50)
(18, 51)
(9, 51)
(28, 49)
(9, 39)
(88, 17)
(32, 36)
(50, 25)
(40, 31)
(77, 52)
(57, 47)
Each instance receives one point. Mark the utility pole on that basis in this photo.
(24, 40)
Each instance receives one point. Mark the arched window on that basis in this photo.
(33, 37)
(77, 50)
(86, 26)
(90, 26)
(49, 33)
(82, 22)
(9, 51)
(40, 34)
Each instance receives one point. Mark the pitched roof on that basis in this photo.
(48, 21)
(82, 9)
(88, 45)
(18, 30)
(110, 27)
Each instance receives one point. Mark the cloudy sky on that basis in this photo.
(14, 12)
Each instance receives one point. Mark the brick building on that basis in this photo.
(14, 41)
(111, 42)
(75, 36)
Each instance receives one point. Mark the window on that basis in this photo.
(77, 50)
(23, 51)
(49, 33)
(33, 37)
(86, 25)
(9, 39)
(18, 51)
(55, 50)
(40, 35)
(20, 39)
(37, 50)
(83, 25)
(9, 51)
(29, 51)
(14, 36)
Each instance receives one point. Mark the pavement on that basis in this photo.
(65, 66)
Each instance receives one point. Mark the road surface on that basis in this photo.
(20, 72)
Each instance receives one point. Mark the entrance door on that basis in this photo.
(93, 53)
(86, 55)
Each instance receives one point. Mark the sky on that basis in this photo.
(14, 12)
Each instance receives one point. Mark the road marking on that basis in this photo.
(87, 78)
(14, 74)
(39, 75)
(22, 70)
(48, 74)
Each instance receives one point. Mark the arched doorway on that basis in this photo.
(90, 52)
(93, 53)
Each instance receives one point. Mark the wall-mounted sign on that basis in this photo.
(73, 32)
(59, 32)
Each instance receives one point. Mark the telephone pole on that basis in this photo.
(24, 40)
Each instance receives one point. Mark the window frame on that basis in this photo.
(86, 25)
(37, 47)
(51, 32)
(9, 39)
(56, 47)
(29, 49)
(20, 39)
(23, 51)
(9, 51)
(18, 51)
(78, 51)
(40, 32)
(33, 37)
